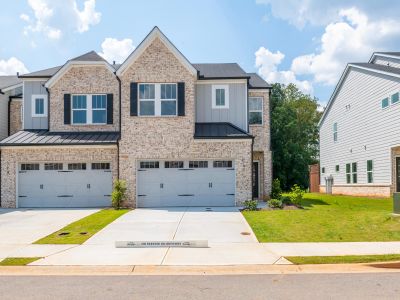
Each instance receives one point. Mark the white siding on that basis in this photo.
(380, 60)
(364, 124)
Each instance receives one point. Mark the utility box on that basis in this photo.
(396, 203)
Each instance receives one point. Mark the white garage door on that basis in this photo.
(64, 185)
(186, 183)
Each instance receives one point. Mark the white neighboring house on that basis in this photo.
(360, 130)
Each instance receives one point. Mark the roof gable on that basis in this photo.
(88, 59)
(155, 33)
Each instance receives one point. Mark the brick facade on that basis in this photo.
(12, 157)
(15, 116)
(359, 190)
(262, 144)
(171, 137)
(83, 80)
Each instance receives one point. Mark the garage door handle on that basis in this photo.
(141, 170)
(231, 169)
(22, 196)
(65, 171)
(141, 195)
(230, 194)
(186, 195)
(64, 196)
(107, 195)
(22, 172)
(185, 169)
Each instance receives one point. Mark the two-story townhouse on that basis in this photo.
(179, 134)
(360, 130)
(10, 105)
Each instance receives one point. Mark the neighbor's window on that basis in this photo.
(168, 99)
(100, 166)
(53, 166)
(198, 164)
(39, 105)
(335, 133)
(385, 102)
(370, 169)
(29, 167)
(149, 164)
(323, 170)
(173, 164)
(348, 173)
(79, 109)
(77, 166)
(395, 98)
(354, 172)
(222, 164)
(220, 96)
(255, 110)
(337, 168)
(99, 109)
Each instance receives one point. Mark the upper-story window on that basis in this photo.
(335, 133)
(255, 110)
(394, 98)
(385, 102)
(39, 105)
(157, 99)
(89, 109)
(220, 96)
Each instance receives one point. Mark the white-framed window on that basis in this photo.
(89, 109)
(385, 102)
(255, 110)
(39, 105)
(370, 171)
(158, 99)
(220, 96)
(335, 133)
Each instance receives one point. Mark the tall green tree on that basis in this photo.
(294, 134)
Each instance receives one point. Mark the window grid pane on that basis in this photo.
(395, 98)
(149, 165)
(385, 102)
(53, 166)
(198, 164)
(222, 164)
(100, 166)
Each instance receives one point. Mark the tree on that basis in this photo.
(294, 134)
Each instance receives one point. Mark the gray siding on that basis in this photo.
(365, 131)
(235, 114)
(33, 88)
(3, 116)
(379, 60)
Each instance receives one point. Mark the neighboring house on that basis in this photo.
(179, 134)
(360, 130)
(10, 105)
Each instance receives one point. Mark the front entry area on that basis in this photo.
(186, 183)
(78, 184)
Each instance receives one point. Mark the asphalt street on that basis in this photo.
(299, 286)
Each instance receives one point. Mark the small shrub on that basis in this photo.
(118, 194)
(276, 191)
(275, 203)
(296, 195)
(250, 205)
(286, 200)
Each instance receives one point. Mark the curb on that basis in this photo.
(391, 267)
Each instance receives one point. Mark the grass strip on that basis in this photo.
(346, 259)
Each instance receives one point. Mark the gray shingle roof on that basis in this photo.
(219, 131)
(256, 82)
(226, 70)
(90, 56)
(7, 81)
(378, 67)
(44, 137)
(46, 73)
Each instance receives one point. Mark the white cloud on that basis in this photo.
(55, 18)
(116, 50)
(267, 63)
(12, 66)
(352, 39)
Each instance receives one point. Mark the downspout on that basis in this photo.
(9, 115)
(270, 139)
(120, 121)
(48, 108)
(252, 167)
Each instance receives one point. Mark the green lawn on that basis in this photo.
(327, 218)
(347, 259)
(81, 230)
(18, 261)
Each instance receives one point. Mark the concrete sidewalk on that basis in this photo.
(332, 248)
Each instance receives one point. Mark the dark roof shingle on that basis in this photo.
(219, 131)
(215, 71)
(256, 82)
(9, 80)
(44, 137)
(45, 73)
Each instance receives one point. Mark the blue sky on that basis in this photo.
(304, 42)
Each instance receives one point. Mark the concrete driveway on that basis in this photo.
(231, 240)
(21, 227)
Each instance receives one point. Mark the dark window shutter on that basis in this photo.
(67, 109)
(134, 99)
(110, 106)
(181, 98)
